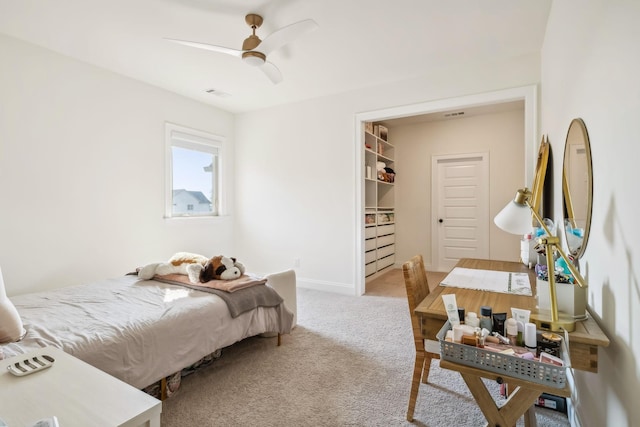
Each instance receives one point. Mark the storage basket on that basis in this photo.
(513, 366)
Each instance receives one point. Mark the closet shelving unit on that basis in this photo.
(379, 243)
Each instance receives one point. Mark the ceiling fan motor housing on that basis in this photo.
(251, 42)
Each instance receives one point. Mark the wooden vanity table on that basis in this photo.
(583, 343)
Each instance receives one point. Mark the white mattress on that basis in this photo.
(137, 331)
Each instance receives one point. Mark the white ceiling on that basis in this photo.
(359, 43)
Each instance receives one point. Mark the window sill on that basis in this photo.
(178, 220)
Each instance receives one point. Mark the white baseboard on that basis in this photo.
(320, 285)
(574, 418)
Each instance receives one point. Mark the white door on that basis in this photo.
(460, 208)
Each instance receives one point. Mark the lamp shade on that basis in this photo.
(10, 323)
(514, 218)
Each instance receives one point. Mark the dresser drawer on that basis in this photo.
(386, 262)
(369, 244)
(383, 230)
(385, 240)
(369, 232)
(386, 251)
(369, 269)
(369, 257)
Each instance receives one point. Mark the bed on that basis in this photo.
(143, 331)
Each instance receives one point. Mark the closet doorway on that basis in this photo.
(526, 94)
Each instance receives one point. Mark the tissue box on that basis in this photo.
(572, 299)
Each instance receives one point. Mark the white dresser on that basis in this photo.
(78, 394)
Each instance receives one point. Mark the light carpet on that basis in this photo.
(349, 362)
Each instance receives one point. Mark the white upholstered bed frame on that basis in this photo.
(143, 331)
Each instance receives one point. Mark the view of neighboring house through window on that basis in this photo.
(193, 165)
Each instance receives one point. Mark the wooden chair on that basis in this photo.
(415, 280)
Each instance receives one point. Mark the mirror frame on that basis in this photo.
(540, 174)
(577, 125)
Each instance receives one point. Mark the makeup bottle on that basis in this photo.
(485, 318)
(498, 322)
(511, 329)
(530, 337)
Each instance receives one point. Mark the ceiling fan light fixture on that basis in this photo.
(254, 58)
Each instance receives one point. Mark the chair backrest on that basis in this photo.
(415, 280)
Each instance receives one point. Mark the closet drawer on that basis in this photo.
(386, 262)
(386, 251)
(369, 244)
(369, 257)
(369, 232)
(385, 240)
(369, 269)
(383, 230)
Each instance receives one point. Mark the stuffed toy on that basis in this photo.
(385, 173)
(185, 263)
(221, 268)
(199, 268)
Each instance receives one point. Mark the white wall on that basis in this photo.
(499, 134)
(590, 69)
(296, 179)
(82, 172)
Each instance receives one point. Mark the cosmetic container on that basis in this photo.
(530, 337)
(471, 319)
(485, 318)
(461, 315)
(511, 329)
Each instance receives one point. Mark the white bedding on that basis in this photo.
(137, 331)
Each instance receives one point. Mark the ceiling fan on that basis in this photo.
(255, 51)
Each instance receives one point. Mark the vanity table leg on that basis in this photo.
(519, 402)
(530, 417)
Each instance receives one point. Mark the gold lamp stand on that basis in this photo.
(518, 211)
(552, 320)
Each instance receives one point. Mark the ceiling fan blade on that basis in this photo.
(285, 35)
(272, 72)
(219, 49)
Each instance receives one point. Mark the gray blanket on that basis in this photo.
(238, 301)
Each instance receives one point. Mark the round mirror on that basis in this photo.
(577, 187)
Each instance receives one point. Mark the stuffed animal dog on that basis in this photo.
(221, 268)
(199, 268)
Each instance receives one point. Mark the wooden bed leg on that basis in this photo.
(279, 339)
(163, 388)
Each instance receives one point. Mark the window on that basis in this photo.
(193, 173)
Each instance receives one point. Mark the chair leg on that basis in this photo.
(426, 368)
(415, 383)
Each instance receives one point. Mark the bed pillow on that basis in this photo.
(11, 328)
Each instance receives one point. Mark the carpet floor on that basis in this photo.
(349, 362)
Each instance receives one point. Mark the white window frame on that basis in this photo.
(184, 137)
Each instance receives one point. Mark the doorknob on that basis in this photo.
(441, 220)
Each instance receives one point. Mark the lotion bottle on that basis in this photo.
(511, 329)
